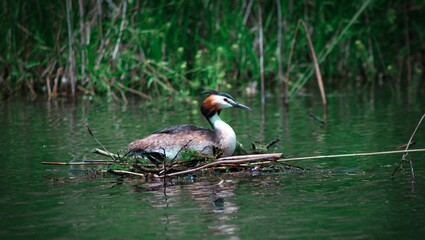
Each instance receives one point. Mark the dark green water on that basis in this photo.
(339, 198)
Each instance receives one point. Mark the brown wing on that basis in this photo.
(171, 139)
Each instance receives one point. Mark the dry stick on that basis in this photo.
(260, 30)
(403, 158)
(349, 155)
(316, 64)
(71, 50)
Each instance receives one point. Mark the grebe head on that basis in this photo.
(216, 101)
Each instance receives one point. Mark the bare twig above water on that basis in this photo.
(406, 151)
(316, 64)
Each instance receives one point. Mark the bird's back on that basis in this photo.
(172, 140)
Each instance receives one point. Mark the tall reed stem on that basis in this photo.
(82, 31)
(315, 62)
(71, 50)
(279, 47)
(124, 9)
(260, 31)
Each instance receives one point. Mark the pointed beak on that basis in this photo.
(241, 106)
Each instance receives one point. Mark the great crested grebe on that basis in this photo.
(167, 143)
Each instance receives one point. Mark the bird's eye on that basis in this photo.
(225, 99)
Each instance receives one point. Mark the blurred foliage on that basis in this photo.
(178, 46)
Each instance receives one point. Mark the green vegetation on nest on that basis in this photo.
(163, 47)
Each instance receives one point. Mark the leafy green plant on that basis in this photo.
(154, 48)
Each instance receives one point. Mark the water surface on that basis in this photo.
(339, 198)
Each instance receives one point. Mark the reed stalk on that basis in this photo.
(279, 49)
(70, 44)
(260, 40)
(82, 40)
(123, 20)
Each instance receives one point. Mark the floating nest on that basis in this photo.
(254, 160)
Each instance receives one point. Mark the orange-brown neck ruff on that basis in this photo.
(210, 107)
